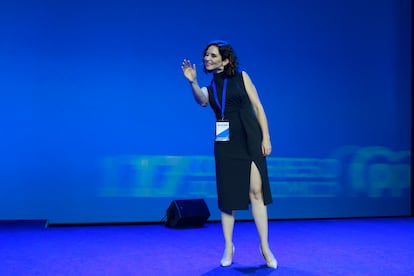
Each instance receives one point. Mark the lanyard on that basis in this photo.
(223, 97)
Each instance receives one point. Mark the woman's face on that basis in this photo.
(213, 61)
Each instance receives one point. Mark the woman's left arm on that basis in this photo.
(260, 113)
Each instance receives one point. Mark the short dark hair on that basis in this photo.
(227, 52)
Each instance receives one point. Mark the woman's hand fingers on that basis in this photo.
(189, 70)
(266, 149)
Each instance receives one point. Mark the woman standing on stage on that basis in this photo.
(242, 143)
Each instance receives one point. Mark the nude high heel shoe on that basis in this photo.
(273, 262)
(226, 262)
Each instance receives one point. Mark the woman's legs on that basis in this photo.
(259, 211)
(227, 223)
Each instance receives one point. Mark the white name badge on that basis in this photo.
(222, 131)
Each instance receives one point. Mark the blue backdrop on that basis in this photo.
(99, 125)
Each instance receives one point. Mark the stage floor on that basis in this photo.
(369, 246)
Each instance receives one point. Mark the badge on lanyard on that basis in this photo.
(222, 131)
(222, 126)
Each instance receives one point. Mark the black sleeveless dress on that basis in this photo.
(233, 158)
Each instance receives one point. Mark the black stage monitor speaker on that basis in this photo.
(187, 213)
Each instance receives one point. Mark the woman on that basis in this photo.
(241, 145)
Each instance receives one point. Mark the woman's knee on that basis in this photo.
(255, 183)
(256, 194)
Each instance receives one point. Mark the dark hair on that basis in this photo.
(227, 52)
